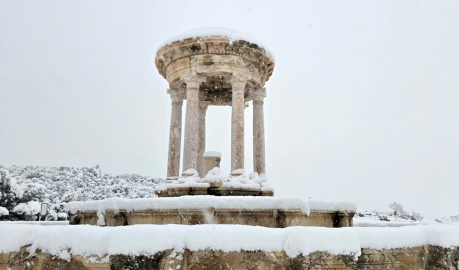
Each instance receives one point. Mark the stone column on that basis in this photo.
(238, 82)
(175, 135)
(202, 137)
(258, 131)
(190, 151)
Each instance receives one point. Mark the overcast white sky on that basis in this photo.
(362, 105)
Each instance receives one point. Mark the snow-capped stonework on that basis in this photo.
(191, 202)
(214, 67)
(227, 247)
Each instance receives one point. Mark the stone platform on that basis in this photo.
(183, 190)
(35, 247)
(193, 210)
(418, 258)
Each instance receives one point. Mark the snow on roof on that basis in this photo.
(191, 202)
(231, 34)
(150, 239)
(212, 154)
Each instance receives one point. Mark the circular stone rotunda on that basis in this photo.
(214, 67)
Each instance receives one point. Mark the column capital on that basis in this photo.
(177, 95)
(192, 80)
(258, 94)
(238, 81)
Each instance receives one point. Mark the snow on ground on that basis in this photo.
(149, 239)
(42, 223)
(372, 222)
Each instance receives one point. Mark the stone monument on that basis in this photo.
(214, 68)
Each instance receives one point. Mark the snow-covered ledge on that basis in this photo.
(230, 246)
(192, 210)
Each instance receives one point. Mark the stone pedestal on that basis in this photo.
(211, 160)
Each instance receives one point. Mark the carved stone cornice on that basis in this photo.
(192, 80)
(258, 57)
(258, 94)
(177, 95)
(238, 81)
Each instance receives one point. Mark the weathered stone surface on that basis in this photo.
(175, 134)
(202, 138)
(258, 131)
(214, 71)
(416, 258)
(211, 162)
(190, 149)
(238, 83)
(23, 260)
(214, 56)
(126, 262)
(267, 218)
(113, 219)
(442, 258)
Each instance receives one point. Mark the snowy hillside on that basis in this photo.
(58, 185)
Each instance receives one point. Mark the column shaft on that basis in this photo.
(201, 139)
(237, 122)
(190, 151)
(258, 137)
(175, 139)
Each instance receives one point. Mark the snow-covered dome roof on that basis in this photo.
(216, 52)
(231, 34)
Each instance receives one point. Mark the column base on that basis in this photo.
(237, 172)
(169, 179)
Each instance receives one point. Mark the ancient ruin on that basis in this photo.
(220, 68)
(210, 68)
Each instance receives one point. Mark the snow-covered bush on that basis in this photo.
(4, 211)
(59, 185)
(398, 214)
(10, 191)
(446, 219)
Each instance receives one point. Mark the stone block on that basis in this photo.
(199, 191)
(267, 193)
(230, 191)
(113, 219)
(159, 217)
(178, 191)
(265, 218)
(89, 218)
(196, 217)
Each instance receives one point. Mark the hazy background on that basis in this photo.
(362, 105)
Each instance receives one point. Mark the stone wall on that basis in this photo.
(267, 218)
(423, 257)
